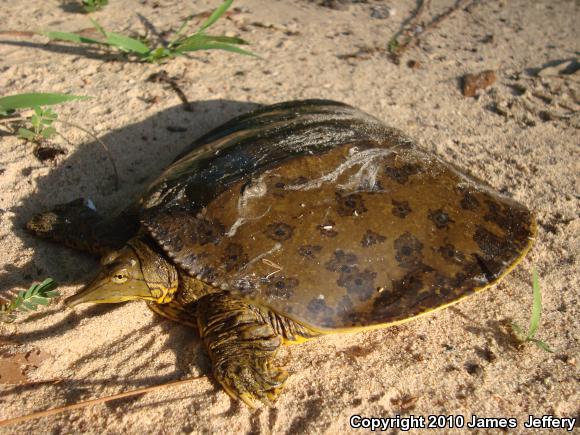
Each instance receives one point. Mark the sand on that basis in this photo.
(520, 134)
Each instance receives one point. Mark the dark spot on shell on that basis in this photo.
(279, 189)
(408, 250)
(327, 229)
(411, 283)
(279, 231)
(209, 231)
(440, 219)
(281, 287)
(469, 202)
(234, 257)
(514, 221)
(309, 251)
(319, 308)
(401, 209)
(358, 283)
(491, 245)
(445, 287)
(344, 305)
(401, 174)
(371, 238)
(349, 205)
(396, 301)
(450, 254)
(489, 267)
(342, 261)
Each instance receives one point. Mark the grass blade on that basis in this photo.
(71, 37)
(216, 15)
(536, 307)
(542, 345)
(99, 27)
(127, 44)
(23, 101)
(176, 38)
(209, 38)
(212, 46)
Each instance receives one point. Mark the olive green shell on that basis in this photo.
(320, 212)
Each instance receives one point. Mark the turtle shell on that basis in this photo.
(320, 212)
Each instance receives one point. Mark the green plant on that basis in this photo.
(178, 46)
(29, 300)
(534, 318)
(42, 125)
(94, 5)
(42, 119)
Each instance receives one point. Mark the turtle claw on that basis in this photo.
(251, 382)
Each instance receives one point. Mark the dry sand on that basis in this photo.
(459, 361)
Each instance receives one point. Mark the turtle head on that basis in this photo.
(136, 271)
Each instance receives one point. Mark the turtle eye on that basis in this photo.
(119, 277)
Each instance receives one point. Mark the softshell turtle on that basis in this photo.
(296, 220)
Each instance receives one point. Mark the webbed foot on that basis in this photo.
(251, 381)
(241, 345)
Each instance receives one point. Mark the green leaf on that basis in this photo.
(536, 307)
(216, 15)
(542, 345)
(99, 27)
(35, 120)
(210, 38)
(48, 132)
(211, 46)
(39, 301)
(30, 292)
(127, 44)
(28, 305)
(176, 39)
(30, 100)
(29, 300)
(26, 134)
(157, 54)
(71, 37)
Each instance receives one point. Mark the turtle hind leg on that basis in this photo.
(241, 345)
(77, 225)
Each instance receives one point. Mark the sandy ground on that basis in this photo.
(521, 134)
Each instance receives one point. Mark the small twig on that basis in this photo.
(413, 35)
(163, 77)
(103, 145)
(85, 403)
(18, 118)
(408, 28)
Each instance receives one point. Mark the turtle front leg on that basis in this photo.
(241, 345)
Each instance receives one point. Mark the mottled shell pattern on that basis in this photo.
(320, 212)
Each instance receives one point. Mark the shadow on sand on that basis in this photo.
(141, 151)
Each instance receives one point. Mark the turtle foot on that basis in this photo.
(242, 346)
(251, 381)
